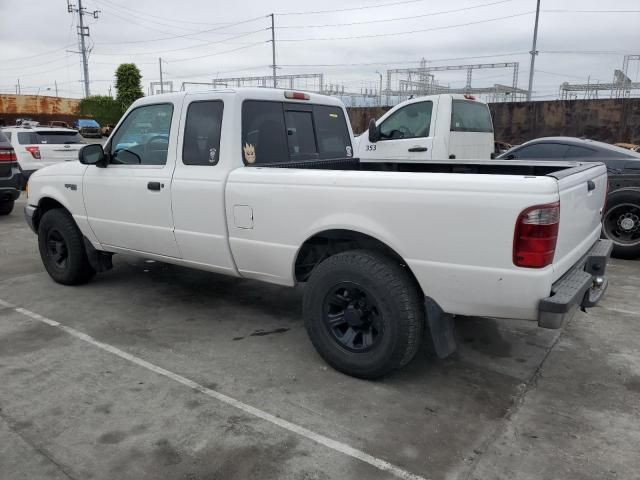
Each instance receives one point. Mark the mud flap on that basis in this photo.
(441, 329)
(99, 261)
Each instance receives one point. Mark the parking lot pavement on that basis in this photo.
(162, 372)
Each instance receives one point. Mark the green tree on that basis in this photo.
(128, 85)
(104, 109)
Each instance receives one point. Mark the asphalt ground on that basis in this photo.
(153, 371)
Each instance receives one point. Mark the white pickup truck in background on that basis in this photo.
(263, 184)
(435, 127)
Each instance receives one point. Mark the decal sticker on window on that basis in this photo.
(333, 115)
(348, 148)
(249, 153)
(212, 155)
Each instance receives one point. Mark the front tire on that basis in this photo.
(6, 207)
(621, 222)
(62, 249)
(364, 313)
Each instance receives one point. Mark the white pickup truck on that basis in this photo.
(263, 184)
(435, 127)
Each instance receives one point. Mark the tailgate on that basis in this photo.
(54, 153)
(582, 195)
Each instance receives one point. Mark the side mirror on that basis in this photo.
(92, 154)
(374, 133)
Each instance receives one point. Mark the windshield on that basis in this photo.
(49, 137)
(88, 123)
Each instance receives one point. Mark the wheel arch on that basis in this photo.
(326, 243)
(632, 189)
(45, 204)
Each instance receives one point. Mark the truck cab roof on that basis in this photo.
(254, 93)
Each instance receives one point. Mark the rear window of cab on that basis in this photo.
(49, 137)
(274, 132)
(470, 116)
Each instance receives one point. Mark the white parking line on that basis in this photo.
(292, 427)
(6, 304)
(621, 310)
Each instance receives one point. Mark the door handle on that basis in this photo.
(154, 186)
(591, 185)
(418, 149)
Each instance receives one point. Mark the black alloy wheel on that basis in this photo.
(352, 316)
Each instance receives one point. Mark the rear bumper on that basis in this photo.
(581, 287)
(10, 186)
(8, 194)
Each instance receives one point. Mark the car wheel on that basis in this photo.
(6, 207)
(621, 222)
(364, 313)
(61, 246)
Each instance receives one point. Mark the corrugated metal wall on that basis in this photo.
(40, 108)
(616, 120)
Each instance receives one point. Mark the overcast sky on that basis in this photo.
(204, 39)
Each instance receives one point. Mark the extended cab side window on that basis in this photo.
(263, 132)
(287, 131)
(143, 137)
(412, 121)
(202, 133)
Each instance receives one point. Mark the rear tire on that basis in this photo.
(364, 313)
(621, 222)
(61, 246)
(6, 207)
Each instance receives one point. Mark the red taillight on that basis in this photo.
(34, 151)
(534, 242)
(296, 95)
(8, 155)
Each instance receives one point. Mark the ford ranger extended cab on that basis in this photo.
(263, 184)
(435, 127)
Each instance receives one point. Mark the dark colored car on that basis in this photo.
(88, 127)
(10, 176)
(621, 219)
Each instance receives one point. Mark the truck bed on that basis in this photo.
(556, 170)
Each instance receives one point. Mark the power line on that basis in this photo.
(380, 5)
(218, 53)
(14, 59)
(585, 52)
(185, 35)
(376, 35)
(406, 62)
(366, 22)
(589, 11)
(39, 64)
(184, 48)
(146, 14)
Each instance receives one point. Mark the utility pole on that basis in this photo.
(533, 52)
(83, 32)
(18, 91)
(380, 92)
(161, 82)
(273, 50)
(55, 82)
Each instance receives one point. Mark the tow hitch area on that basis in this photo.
(583, 286)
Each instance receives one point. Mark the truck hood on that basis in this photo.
(74, 168)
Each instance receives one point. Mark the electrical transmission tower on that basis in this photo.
(83, 32)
